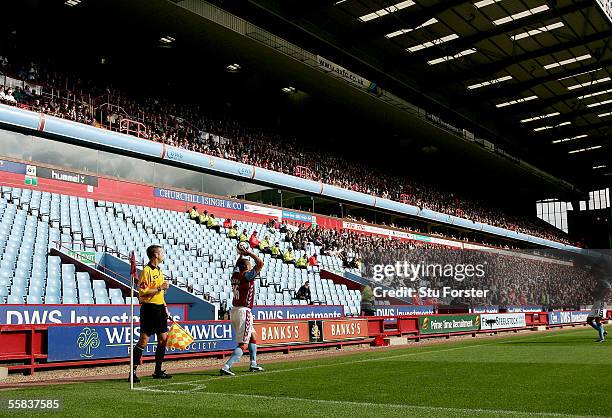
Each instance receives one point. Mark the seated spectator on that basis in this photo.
(289, 257)
(367, 301)
(271, 225)
(301, 262)
(264, 245)
(203, 219)
(194, 215)
(345, 261)
(212, 223)
(323, 250)
(227, 223)
(254, 241)
(312, 261)
(275, 251)
(303, 292)
(9, 96)
(243, 237)
(233, 233)
(283, 228)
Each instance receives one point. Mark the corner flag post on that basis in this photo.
(133, 274)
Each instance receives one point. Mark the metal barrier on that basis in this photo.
(303, 172)
(132, 127)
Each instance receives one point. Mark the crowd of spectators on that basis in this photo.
(190, 127)
(512, 278)
(516, 277)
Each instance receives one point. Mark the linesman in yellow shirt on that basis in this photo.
(153, 311)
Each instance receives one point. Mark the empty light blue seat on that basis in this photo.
(35, 290)
(99, 284)
(18, 290)
(102, 300)
(70, 300)
(87, 300)
(34, 299)
(85, 292)
(116, 300)
(15, 299)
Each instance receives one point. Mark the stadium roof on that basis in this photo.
(532, 76)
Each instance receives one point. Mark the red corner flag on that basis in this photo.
(133, 271)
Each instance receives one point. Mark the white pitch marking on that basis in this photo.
(400, 406)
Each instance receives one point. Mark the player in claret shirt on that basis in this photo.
(243, 288)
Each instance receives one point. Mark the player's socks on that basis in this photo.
(137, 355)
(253, 354)
(233, 358)
(160, 352)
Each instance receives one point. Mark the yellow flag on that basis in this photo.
(178, 338)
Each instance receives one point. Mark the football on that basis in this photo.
(243, 247)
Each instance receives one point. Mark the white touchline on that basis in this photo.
(399, 406)
(317, 366)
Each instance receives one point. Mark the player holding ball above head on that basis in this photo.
(243, 289)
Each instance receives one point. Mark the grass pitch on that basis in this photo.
(556, 374)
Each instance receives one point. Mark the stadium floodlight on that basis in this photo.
(558, 141)
(589, 83)
(452, 57)
(548, 115)
(537, 31)
(605, 102)
(167, 39)
(429, 44)
(403, 31)
(597, 167)
(521, 15)
(232, 68)
(288, 89)
(339, 2)
(485, 3)
(567, 61)
(598, 93)
(543, 128)
(579, 74)
(584, 149)
(386, 10)
(516, 101)
(490, 82)
(72, 3)
(603, 115)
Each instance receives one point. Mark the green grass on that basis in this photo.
(546, 374)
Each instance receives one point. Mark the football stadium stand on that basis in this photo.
(198, 259)
(47, 90)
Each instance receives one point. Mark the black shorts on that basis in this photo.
(153, 319)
